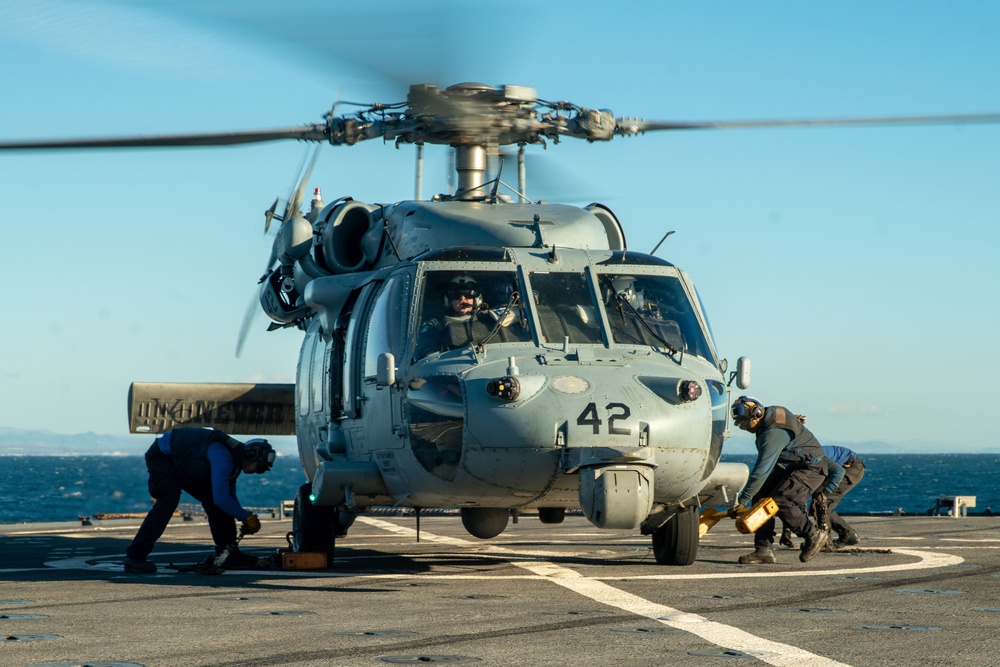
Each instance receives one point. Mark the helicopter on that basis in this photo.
(587, 377)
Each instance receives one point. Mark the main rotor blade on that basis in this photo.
(248, 317)
(314, 132)
(630, 126)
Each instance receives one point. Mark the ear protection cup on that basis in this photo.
(259, 451)
(748, 409)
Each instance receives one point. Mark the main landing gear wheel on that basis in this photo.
(676, 541)
(314, 528)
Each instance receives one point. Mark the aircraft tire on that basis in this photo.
(314, 528)
(676, 541)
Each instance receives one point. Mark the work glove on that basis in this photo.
(251, 524)
(734, 511)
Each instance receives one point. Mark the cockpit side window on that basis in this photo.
(565, 308)
(386, 322)
(653, 310)
(463, 308)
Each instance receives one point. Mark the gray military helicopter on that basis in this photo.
(477, 349)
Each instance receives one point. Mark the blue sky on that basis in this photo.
(856, 267)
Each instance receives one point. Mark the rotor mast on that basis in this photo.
(470, 165)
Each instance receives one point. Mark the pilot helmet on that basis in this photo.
(463, 285)
(259, 451)
(747, 412)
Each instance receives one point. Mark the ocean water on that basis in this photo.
(62, 488)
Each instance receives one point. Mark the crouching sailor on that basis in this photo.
(205, 463)
(790, 467)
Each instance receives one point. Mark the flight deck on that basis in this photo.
(917, 591)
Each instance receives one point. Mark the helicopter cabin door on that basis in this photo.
(386, 320)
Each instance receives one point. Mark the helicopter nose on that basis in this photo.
(618, 440)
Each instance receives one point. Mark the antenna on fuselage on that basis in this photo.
(657, 247)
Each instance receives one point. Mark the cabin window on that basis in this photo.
(463, 308)
(386, 322)
(653, 310)
(317, 385)
(565, 308)
(302, 384)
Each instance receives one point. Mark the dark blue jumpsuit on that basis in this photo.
(188, 466)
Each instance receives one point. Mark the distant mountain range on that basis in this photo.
(17, 442)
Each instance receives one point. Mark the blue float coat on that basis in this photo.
(224, 472)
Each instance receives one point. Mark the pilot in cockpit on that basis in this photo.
(466, 319)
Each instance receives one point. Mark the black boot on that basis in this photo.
(814, 542)
(139, 566)
(762, 556)
(848, 539)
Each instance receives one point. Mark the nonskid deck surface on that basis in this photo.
(917, 591)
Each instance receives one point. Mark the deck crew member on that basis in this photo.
(854, 470)
(791, 466)
(205, 463)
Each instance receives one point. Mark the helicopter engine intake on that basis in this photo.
(342, 238)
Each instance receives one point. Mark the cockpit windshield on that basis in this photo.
(477, 308)
(565, 307)
(652, 310)
(463, 308)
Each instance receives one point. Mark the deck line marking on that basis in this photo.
(725, 636)
(927, 560)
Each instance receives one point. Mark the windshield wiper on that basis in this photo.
(622, 300)
(515, 298)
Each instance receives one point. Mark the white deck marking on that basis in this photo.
(725, 636)
(927, 560)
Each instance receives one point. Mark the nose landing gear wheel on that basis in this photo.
(676, 541)
(314, 528)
